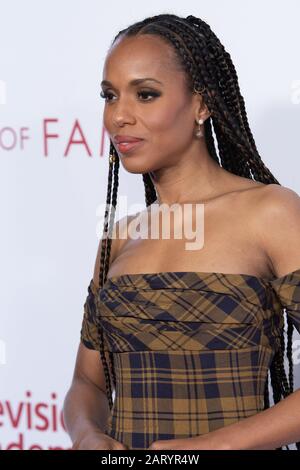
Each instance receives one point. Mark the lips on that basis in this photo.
(125, 147)
(126, 139)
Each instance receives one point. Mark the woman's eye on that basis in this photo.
(148, 93)
(107, 95)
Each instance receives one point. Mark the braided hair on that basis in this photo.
(210, 71)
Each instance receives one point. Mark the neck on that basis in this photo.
(196, 177)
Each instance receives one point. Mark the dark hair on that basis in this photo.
(209, 69)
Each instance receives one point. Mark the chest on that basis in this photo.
(219, 239)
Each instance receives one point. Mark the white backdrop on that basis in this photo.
(51, 58)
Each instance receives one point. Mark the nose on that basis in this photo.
(122, 115)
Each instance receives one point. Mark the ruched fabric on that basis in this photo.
(191, 349)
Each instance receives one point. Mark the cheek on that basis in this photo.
(170, 126)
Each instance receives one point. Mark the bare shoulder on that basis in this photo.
(276, 219)
(117, 240)
(277, 200)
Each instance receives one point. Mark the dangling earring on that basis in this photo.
(199, 132)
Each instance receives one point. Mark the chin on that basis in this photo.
(136, 166)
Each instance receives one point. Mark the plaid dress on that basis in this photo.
(191, 350)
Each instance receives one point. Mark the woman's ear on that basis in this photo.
(201, 109)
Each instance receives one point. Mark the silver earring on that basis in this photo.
(199, 132)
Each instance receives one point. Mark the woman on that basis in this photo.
(187, 352)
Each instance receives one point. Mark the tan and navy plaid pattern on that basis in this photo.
(191, 349)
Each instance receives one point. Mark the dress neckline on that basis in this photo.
(131, 277)
(197, 273)
(201, 273)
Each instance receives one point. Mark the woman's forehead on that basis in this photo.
(146, 48)
(136, 58)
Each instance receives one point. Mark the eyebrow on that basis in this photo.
(134, 82)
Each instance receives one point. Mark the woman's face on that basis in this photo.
(163, 114)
